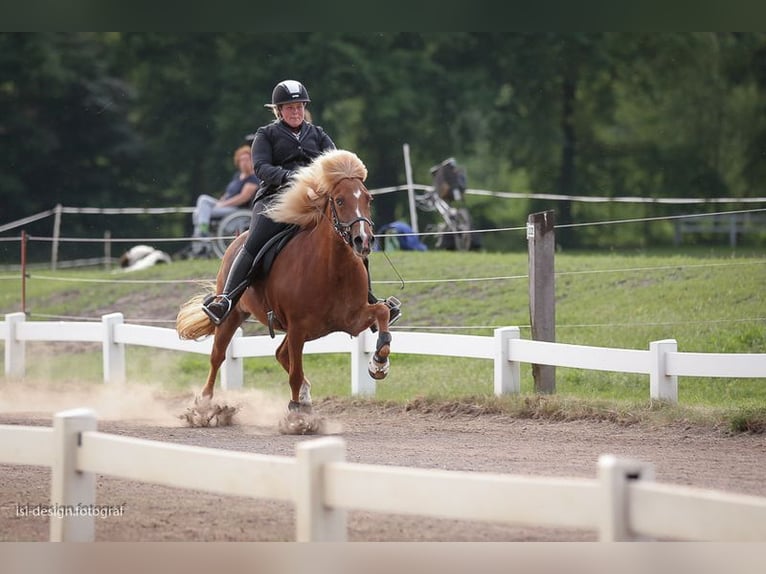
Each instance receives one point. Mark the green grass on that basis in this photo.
(708, 300)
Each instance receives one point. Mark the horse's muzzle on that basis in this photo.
(361, 245)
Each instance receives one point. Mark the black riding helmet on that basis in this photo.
(288, 91)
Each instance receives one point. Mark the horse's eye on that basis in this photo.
(339, 201)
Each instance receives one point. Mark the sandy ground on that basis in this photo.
(702, 457)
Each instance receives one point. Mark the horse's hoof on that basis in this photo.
(298, 407)
(378, 370)
(205, 413)
(301, 423)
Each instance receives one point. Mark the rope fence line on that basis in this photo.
(659, 218)
(418, 234)
(202, 282)
(109, 211)
(413, 281)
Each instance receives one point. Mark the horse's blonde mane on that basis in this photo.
(302, 202)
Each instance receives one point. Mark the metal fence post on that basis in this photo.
(112, 351)
(15, 349)
(316, 522)
(615, 474)
(73, 493)
(507, 372)
(662, 386)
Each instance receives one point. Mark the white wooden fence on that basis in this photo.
(662, 362)
(623, 503)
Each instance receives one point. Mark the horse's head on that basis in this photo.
(349, 204)
(332, 187)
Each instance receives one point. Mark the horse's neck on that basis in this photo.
(331, 247)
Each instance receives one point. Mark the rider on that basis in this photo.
(279, 149)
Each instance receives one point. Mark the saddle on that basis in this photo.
(268, 253)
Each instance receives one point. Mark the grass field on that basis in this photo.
(709, 300)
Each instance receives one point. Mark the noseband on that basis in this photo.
(343, 228)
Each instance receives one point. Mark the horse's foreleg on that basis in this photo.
(300, 387)
(223, 335)
(379, 364)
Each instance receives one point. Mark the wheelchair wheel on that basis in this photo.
(229, 227)
(459, 220)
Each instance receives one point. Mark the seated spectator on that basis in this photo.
(238, 194)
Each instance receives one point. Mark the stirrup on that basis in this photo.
(211, 299)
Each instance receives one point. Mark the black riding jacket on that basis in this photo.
(278, 152)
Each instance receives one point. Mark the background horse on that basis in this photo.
(318, 283)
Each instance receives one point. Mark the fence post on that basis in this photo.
(15, 348)
(662, 386)
(361, 381)
(107, 249)
(410, 188)
(232, 371)
(316, 522)
(73, 493)
(507, 372)
(112, 351)
(615, 474)
(542, 291)
(56, 236)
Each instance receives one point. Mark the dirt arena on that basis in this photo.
(682, 454)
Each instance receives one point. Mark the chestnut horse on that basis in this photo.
(318, 283)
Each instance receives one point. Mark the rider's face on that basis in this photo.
(293, 114)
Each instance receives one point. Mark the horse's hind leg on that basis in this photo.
(223, 335)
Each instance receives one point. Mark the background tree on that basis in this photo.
(151, 119)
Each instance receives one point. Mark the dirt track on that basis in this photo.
(374, 434)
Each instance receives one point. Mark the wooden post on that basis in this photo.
(107, 250)
(23, 271)
(316, 522)
(233, 369)
(361, 381)
(73, 493)
(615, 474)
(113, 353)
(15, 348)
(662, 386)
(507, 372)
(542, 292)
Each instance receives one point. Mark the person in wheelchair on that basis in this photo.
(449, 180)
(239, 193)
(279, 149)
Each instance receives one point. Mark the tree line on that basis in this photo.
(151, 119)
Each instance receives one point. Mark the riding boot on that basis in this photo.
(394, 305)
(218, 307)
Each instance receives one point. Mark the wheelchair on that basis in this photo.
(225, 229)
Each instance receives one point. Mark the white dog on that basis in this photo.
(142, 257)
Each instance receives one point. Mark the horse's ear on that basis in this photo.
(312, 194)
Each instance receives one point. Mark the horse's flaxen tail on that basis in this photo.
(192, 323)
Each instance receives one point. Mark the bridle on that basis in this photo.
(343, 228)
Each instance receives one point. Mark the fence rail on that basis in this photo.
(622, 503)
(662, 362)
